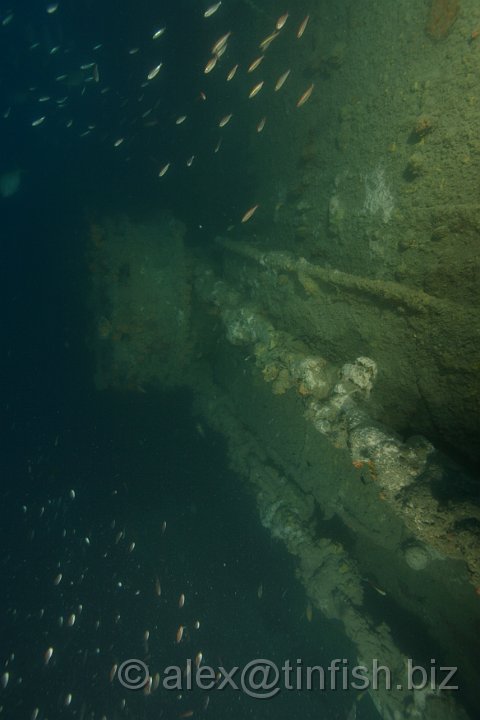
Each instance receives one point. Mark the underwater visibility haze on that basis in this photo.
(240, 360)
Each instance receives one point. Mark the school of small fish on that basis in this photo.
(119, 116)
(91, 595)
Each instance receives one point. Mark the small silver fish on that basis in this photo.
(256, 89)
(232, 72)
(261, 124)
(154, 71)
(306, 95)
(210, 64)
(245, 219)
(254, 65)
(226, 119)
(212, 9)
(179, 634)
(302, 27)
(281, 80)
(281, 21)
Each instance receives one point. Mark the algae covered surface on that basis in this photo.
(384, 185)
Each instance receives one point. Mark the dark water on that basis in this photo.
(133, 462)
(42, 76)
(84, 475)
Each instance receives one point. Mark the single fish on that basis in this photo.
(154, 72)
(261, 124)
(249, 214)
(179, 635)
(210, 64)
(254, 65)
(281, 21)
(306, 95)
(256, 89)
(226, 119)
(302, 27)
(232, 72)
(281, 80)
(212, 9)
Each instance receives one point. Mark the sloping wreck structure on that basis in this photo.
(333, 340)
